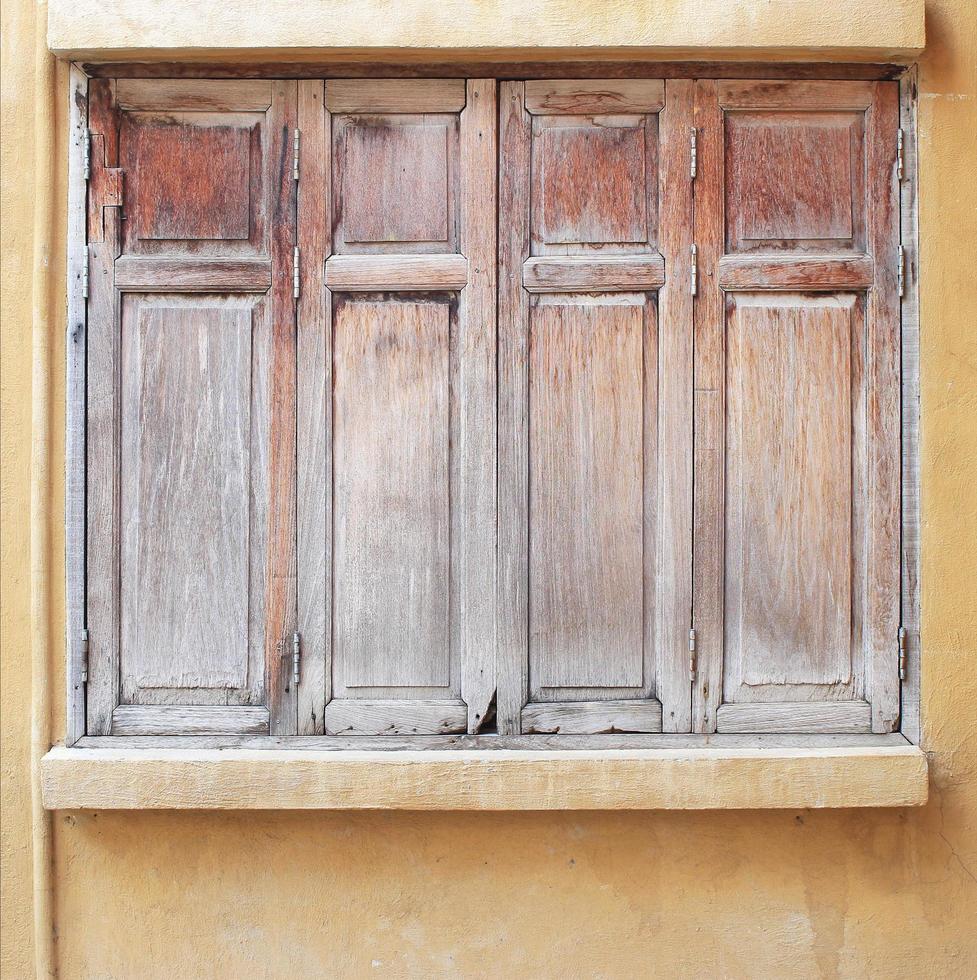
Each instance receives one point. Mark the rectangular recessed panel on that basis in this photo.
(789, 491)
(395, 182)
(591, 183)
(391, 415)
(185, 479)
(585, 494)
(789, 177)
(194, 181)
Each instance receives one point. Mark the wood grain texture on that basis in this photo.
(882, 411)
(76, 344)
(593, 717)
(587, 97)
(382, 273)
(672, 496)
(573, 274)
(102, 421)
(391, 451)
(910, 582)
(280, 610)
(185, 508)
(199, 96)
(515, 136)
(690, 779)
(477, 394)
(146, 274)
(376, 95)
(170, 720)
(800, 716)
(314, 407)
(816, 95)
(586, 416)
(797, 272)
(414, 717)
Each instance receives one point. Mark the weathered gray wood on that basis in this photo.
(103, 422)
(824, 273)
(381, 273)
(586, 475)
(416, 717)
(391, 508)
(372, 95)
(672, 573)
(477, 403)
(147, 274)
(809, 717)
(513, 534)
(75, 354)
(582, 274)
(314, 405)
(594, 96)
(592, 717)
(910, 583)
(141, 720)
(167, 94)
(882, 411)
(519, 743)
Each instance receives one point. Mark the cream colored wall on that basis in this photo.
(751, 894)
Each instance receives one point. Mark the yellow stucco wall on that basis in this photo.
(750, 894)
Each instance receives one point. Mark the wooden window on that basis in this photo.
(480, 392)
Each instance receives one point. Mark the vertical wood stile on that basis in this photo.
(910, 410)
(103, 491)
(280, 582)
(675, 410)
(708, 408)
(477, 346)
(314, 504)
(75, 351)
(513, 463)
(883, 355)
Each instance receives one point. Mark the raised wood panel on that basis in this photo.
(395, 182)
(187, 433)
(586, 477)
(794, 386)
(594, 183)
(392, 420)
(794, 180)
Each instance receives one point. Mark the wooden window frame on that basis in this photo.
(76, 400)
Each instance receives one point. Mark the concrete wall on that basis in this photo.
(802, 894)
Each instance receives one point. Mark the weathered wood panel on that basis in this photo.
(391, 411)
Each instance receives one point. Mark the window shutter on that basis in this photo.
(397, 404)
(190, 408)
(797, 407)
(594, 401)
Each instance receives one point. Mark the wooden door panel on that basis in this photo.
(797, 318)
(190, 522)
(397, 432)
(580, 405)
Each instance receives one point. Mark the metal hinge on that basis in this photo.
(295, 156)
(902, 270)
(902, 653)
(296, 657)
(88, 155)
(694, 271)
(295, 273)
(693, 656)
(84, 274)
(694, 153)
(84, 656)
(900, 156)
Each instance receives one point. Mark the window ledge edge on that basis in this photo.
(484, 779)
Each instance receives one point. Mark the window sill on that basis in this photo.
(720, 778)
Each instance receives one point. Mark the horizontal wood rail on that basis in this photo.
(586, 274)
(820, 272)
(368, 273)
(146, 275)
